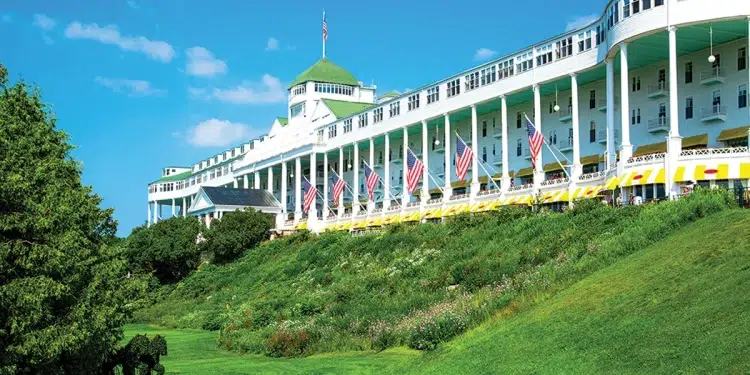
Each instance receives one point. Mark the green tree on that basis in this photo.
(236, 232)
(64, 289)
(167, 249)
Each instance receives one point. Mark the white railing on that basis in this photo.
(394, 208)
(377, 210)
(646, 158)
(602, 136)
(413, 204)
(497, 159)
(715, 110)
(708, 153)
(712, 73)
(555, 181)
(346, 215)
(489, 192)
(565, 113)
(658, 123)
(520, 187)
(566, 144)
(434, 201)
(459, 196)
(658, 87)
(592, 176)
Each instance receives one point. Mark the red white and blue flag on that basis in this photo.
(371, 181)
(325, 27)
(536, 139)
(463, 158)
(310, 193)
(414, 172)
(338, 187)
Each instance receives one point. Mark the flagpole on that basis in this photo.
(481, 164)
(324, 38)
(319, 195)
(380, 179)
(346, 186)
(426, 170)
(544, 140)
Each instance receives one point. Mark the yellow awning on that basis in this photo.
(525, 172)
(694, 141)
(590, 159)
(302, 225)
(603, 157)
(524, 200)
(359, 224)
(460, 184)
(654, 148)
(414, 216)
(553, 167)
(479, 207)
(744, 170)
(435, 214)
(587, 192)
(643, 177)
(612, 183)
(701, 172)
(485, 179)
(392, 219)
(556, 196)
(732, 134)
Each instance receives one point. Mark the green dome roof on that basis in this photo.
(325, 71)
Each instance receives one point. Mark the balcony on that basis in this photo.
(714, 113)
(566, 144)
(397, 158)
(566, 114)
(659, 124)
(712, 76)
(439, 148)
(659, 90)
(497, 132)
(440, 173)
(378, 163)
(527, 154)
(602, 136)
(603, 104)
(497, 159)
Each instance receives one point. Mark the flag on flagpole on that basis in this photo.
(371, 180)
(338, 187)
(310, 194)
(414, 172)
(536, 139)
(463, 158)
(325, 27)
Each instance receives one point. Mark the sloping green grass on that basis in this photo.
(679, 306)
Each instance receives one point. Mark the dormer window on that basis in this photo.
(297, 109)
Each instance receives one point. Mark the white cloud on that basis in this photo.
(272, 45)
(44, 22)
(484, 54)
(217, 133)
(580, 22)
(129, 86)
(202, 63)
(155, 49)
(268, 90)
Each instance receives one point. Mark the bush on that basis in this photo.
(167, 249)
(285, 343)
(236, 232)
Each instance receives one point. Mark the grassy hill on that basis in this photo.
(678, 306)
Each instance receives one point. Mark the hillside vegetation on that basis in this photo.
(415, 286)
(677, 306)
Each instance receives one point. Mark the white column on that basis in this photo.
(355, 180)
(208, 221)
(284, 192)
(475, 149)
(504, 142)
(184, 207)
(325, 185)
(341, 175)
(156, 212)
(313, 212)
(387, 173)
(245, 182)
(148, 218)
(297, 189)
(425, 196)
(270, 180)
(627, 148)
(674, 113)
(371, 204)
(447, 144)
(256, 180)
(174, 208)
(576, 167)
(405, 191)
(539, 171)
(235, 183)
(611, 156)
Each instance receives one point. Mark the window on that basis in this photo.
(742, 97)
(489, 75)
(506, 69)
(717, 98)
(297, 109)
(363, 118)
(471, 81)
(636, 83)
(688, 108)
(626, 9)
(741, 59)
(519, 147)
(662, 113)
(544, 55)
(347, 125)
(646, 4)
(518, 120)
(552, 137)
(564, 48)
(552, 106)
(413, 102)
(636, 6)
(717, 63)
(592, 132)
(688, 72)
(584, 41)
(658, 3)
(484, 128)
(433, 94)
(592, 99)
(298, 90)
(334, 88)
(524, 62)
(635, 117)
(484, 154)
(493, 150)
(377, 115)
(453, 87)
(395, 109)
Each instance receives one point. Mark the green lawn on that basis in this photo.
(680, 306)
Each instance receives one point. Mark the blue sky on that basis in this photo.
(142, 84)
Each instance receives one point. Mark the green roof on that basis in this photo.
(390, 94)
(283, 121)
(175, 177)
(325, 71)
(343, 109)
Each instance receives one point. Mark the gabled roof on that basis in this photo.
(343, 109)
(283, 121)
(325, 71)
(175, 177)
(222, 196)
(390, 94)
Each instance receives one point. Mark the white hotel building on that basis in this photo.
(651, 96)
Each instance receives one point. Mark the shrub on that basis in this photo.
(236, 232)
(167, 249)
(285, 343)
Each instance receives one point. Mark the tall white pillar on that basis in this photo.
(256, 180)
(297, 189)
(539, 171)
(504, 142)
(355, 180)
(174, 208)
(156, 212)
(284, 191)
(148, 218)
(341, 175)
(371, 204)
(313, 212)
(405, 192)
(325, 185)
(447, 144)
(576, 167)
(674, 141)
(245, 182)
(184, 207)
(235, 183)
(475, 149)
(627, 148)
(387, 173)
(270, 180)
(425, 196)
(611, 156)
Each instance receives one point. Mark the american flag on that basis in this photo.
(463, 158)
(536, 139)
(371, 180)
(325, 27)
(414, 173)
(310, 193)
(338, 187)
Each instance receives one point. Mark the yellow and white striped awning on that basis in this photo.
(413, 216)
(436, 213)
(587, 192)
(712, 171)
(392, 219)
(556, 196)
(375, 221)
(300, 226)
(612, 183)
(520, 199)
(485, 206)
(643, 177)
(361, 224)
